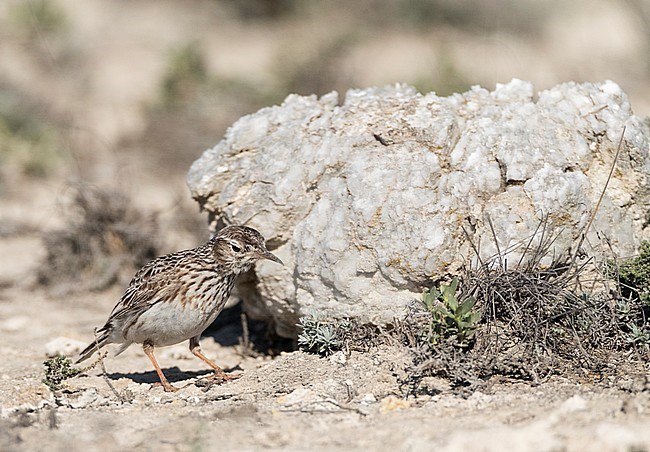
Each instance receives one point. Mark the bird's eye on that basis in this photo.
(235, 248)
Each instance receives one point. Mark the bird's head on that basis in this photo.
(238, 247)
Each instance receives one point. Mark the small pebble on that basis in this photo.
(338, 358)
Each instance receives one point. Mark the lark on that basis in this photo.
(176, 297)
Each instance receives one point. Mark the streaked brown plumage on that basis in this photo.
(176, 297)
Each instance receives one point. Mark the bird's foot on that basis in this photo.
(167, 386)
(226, 377)
(218, 378)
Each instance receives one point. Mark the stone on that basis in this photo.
(82, 399)
(393, 403)
(299, 396)
(63, 346)
(370, 200)
(338, 358)
(368, 399)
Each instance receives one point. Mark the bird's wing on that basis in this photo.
(156, 281)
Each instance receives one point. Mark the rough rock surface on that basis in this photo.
(367, 201)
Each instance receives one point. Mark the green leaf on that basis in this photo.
(449, 295)
(453, 286)
(428, 299)
(466, 305)
(474, 317)
(441, 311)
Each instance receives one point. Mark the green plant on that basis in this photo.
(57, 370)
(634, 274)
(318, 336)
(639, 336)
(452, 320)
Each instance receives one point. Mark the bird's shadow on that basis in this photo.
(173, 374)
(228, 330)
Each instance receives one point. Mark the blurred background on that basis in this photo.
(104, 104)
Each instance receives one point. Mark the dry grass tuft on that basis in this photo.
(104, 241)
(536, 322)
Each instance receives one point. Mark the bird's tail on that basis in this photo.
(100, 340)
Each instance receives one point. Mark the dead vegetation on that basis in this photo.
(104, 241)
(535, 322)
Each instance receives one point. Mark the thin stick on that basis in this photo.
(104, 373)
(600, 198)
(474, 247)
(245, 334)
(496, 241)
(532, 237)
(306, 408)
(107, 380)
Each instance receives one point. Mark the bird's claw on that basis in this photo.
(226, 377)
(217, 378)
(167, 387)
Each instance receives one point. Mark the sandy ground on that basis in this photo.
(295, 401)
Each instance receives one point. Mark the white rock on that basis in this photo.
(80, 400)
(338, 358)
(366, 202)
(86, 398)
(298, 396)
(368, 399)
(63, 346)
(194, 400)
